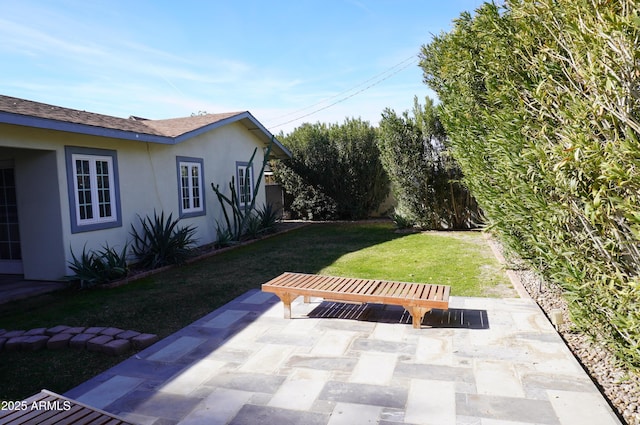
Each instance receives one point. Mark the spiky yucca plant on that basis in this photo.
(96, 268)
(160, 242)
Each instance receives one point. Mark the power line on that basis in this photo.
(387, 74)
(410, 58)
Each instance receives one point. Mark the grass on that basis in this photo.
(168, 301)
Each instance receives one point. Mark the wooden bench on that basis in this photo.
(416, 298)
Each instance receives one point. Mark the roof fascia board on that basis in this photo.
(238, 117)
(208, 127)
(50, 124)
(267, 133)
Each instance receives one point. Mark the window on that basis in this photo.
(190, 178)
(245, 183)
(92, 179)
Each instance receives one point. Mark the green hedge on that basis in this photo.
(425, 179)
(540, 100)
(335, 170)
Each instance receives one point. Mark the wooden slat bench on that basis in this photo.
(47, 408)
(416, 298)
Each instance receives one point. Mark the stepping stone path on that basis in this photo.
(111, 341)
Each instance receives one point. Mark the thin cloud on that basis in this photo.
(20, 38)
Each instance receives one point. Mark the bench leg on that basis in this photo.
(417, 314)
(286, 299)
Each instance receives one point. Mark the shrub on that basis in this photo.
(540, 103)
(335, 170)
(96, 268)
(425, 179)
(161, 242)
(402, 220)
(309, 202)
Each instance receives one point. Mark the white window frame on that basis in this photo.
(195, 199)
(241, 171)
(100, 218)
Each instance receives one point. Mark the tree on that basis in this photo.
(335, 170)
(424, 178)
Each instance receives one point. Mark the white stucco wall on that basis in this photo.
(147, 180)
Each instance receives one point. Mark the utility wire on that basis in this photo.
(410, 58)
(387, 74)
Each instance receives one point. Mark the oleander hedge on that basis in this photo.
(541, 103)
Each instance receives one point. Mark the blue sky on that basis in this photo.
(286, 61)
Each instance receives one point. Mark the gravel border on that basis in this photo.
(619, 385)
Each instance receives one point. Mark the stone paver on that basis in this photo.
(297, 394)
(497, 378)
(35, 342)
(15, 343)
(109, 391)
(57, 330)
(225, 319)
(218, 408)
(115, 347)
(112, 332)
(570, 407)
(485, 362)
(142, 341)
(96, 343)
(127, 334)
(98, 339)
(431, 402)
(79, 341)
(374, 368)
(350, 414)
(177, 349)
(187, 380)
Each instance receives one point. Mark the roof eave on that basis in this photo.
(281, 151)
(251, 123)
(248, 120)
(71, 127)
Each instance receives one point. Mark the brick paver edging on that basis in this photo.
(111, 341)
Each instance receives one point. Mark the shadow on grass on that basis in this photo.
(164, 303)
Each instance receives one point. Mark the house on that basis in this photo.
(72, 179)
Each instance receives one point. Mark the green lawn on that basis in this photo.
(168, 301)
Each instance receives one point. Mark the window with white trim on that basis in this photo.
(93, 187)
(190, 184)
(244, 174)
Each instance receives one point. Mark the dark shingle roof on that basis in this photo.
(168, 131)
(175, 127)
(168, 128)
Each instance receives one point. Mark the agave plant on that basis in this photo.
(224, 237)
(161, 242)
(269, 217)
(96, 268)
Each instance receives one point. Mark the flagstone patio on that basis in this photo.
(483, 362)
